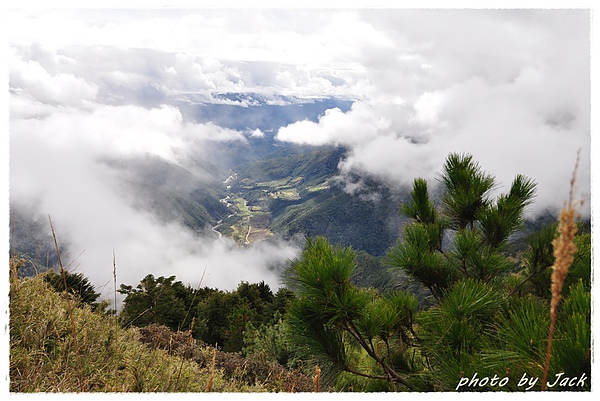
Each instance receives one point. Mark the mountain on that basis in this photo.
(31, 238)
(193, 196)
(250, 111)
(171, 192)
(150, 183)
(304, 196)
(258, 116)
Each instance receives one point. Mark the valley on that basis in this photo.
(248, 224)
(298, 192)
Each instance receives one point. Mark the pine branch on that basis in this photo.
(392, 374)
(532, 275)
(367, 375)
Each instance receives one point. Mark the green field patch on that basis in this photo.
(259, 234)
(317, 188)
(239, 231)
(288, 194)
(286, 182)
(276, 184)
(242, 206)
(248, 182)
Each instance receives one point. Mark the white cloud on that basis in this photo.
(427, 108)
(512, 88)
(60, 137)
(57, 169)
(60, 88)
(256, 133)
(208, 46)
(360, 124)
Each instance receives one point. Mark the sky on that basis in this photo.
(509, 86)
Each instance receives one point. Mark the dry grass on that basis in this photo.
(250, 372)
(54, 350)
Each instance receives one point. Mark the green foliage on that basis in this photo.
(323, 273)
(538, 260)
(421, 208)
(477, 226)
(156, 300)
(340, 323)
(452, 331)
(503, 219)
(523, 329)
(214, 316)
(572, 350)
(473, 258)
(490, 316)
(467, 189)
(272, 342)
(316, 337)
(77, 284)
(582, 263)
(419, 257)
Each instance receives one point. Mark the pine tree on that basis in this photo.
(489, 320)
(343, 325)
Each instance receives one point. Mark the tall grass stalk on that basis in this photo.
(115, 278)
(188, 343)
(116, 326)
(564, 251)
(69, 304)
(212, 371)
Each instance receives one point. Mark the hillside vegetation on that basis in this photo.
(59, 345)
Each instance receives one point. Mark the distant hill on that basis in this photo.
(249, 111)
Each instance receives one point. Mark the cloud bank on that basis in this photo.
(510, 87)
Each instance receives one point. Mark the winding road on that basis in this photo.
(215, 230)
(247, 235)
